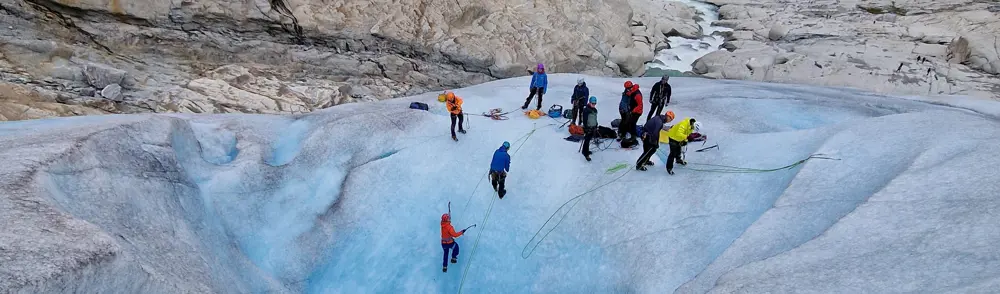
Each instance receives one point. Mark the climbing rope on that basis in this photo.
(523, 139)
(610, 170)
(718, 168)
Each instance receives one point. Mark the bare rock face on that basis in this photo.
(21, 102)
(918, 47)
(302, 54)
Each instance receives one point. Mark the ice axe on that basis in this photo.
(706, 148)
(469, 227)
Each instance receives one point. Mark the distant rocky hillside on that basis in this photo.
(919, 47)
(77, 57)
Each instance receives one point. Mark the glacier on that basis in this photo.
(348, 199)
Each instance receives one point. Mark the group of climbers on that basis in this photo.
(584, 113)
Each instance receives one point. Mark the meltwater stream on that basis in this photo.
(683, 52)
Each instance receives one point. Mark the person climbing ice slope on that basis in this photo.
(448, 236)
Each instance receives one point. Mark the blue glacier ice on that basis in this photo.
(348, 199)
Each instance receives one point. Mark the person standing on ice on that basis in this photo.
(651, 139)
(659, 97)
(499, 168)
(631, 108)
(454, 105)
(678, 137)
(589, 121)
(624, 110)
(539, 82)
(579, 100)
(448, 236)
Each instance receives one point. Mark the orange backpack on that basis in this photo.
(576, 130)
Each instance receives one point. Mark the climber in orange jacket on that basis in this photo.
(454, 104)
(448, 236)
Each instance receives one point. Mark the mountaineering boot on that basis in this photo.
(649, 163)
(445, 269)
(587, 157)
(641, 167)
(670, 172)
(525, 106)
(454, 260)
(501, 193)
(454, 138)
(461, 131)
(681, 162)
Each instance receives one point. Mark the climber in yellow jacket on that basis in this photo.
(678, 135)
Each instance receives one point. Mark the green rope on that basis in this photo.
(610, 170)
(490, 209)
(718, 168)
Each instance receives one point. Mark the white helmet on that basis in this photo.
(697, 126)
(579, 81)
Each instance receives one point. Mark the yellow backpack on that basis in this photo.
(534, 114)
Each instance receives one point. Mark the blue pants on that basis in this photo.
(454, 254)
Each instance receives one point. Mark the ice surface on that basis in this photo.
(347, 200)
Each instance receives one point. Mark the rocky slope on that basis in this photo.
(294, 56)
(919, 47)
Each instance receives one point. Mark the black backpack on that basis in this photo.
(418, 105)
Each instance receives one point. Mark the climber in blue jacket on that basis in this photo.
(539, 82)
(499, 168)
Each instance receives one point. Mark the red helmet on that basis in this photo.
(445, 217)
(628, 84)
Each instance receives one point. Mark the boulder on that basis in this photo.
(113, 92)
(100, 76)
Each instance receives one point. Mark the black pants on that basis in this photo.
(628, 125)
(588, 134)
(497, 179)
(648, 149)
(461, 118)
(654, 110)
(675, 154)
(577, 111)
(532, 95)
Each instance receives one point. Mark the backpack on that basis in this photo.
(629, 143)
(567, 114)
(623, 106)
(591, 120)
(640, 130)
(615, 123)
(575, 130)
(555, 111)
(418, 105)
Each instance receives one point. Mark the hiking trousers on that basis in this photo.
(588, 134)
(454, 253)
(497, 178)
(532, 95)
(675, 154)
(648, 149)
(654, 109)
(461, 118)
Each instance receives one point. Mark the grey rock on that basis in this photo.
(88, 92)
(113, 92)
(100, 76)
